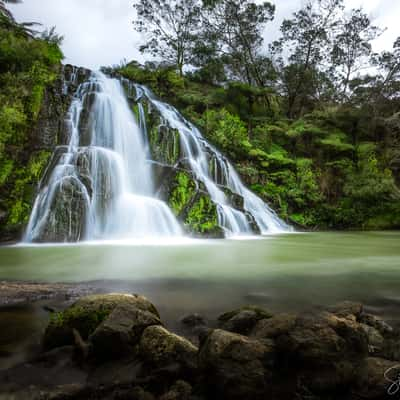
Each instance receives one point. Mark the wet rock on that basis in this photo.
(193, 320)
(162, 349)
(347, 309)
(120, 331)
(379, 380)
(376, 322)
(391, 348)
(12, 293)
(180, 390)
(87, 314)
(235, 366)
(242, 320)
(375, 339)
(323, 338)
(67, 212)
(325, 352)
(274, 326)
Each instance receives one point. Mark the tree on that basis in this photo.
(388, 64)
(4, 10)
(352, 46)
(171, 27)
(306, 38)
(51, 36)
(232, 33)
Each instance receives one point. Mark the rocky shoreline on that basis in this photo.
(115, 346)
(15, 293)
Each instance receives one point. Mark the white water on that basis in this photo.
(198, 152)
(122, 203)
(104, 175)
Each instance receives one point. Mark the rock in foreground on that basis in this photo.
(115, 347)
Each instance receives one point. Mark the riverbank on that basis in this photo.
(17, 293)
(116, 346)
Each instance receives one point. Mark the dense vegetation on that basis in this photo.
(28, 64)
(312, 123)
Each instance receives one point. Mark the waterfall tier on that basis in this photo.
(122, 177)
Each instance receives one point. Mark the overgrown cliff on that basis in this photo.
(335, 168)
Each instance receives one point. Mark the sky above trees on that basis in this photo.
(100, 32)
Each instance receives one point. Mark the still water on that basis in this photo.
(291, 272)
(283, 271)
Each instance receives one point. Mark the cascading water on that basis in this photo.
(199, 152)
(100, 186)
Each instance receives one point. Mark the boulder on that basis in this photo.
(272, 327)
(325, 352)
(87, 314)
(235, 366)
(120, 331)
(243, 319)
(347, 308)
(163, 350)
(381, 380)
(193, 320)
(375, 339)
(376, 322)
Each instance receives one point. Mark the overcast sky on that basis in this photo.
(100, 32)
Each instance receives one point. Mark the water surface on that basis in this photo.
(284, 271)
(291, 272)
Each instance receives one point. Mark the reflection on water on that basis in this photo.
(285, 272)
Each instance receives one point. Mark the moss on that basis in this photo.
(27, 67)
(202, 217)
(182, 192)
(82, 319)
(87, 314)
(21, 198)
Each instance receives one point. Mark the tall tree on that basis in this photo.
(306, 38)
(170, 27)
(352, 46)
(4, 10)
(234, 32)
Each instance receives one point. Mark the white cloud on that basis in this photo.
(100, 32)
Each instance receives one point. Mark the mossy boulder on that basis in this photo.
(236, 366)
(117, 335)
(164, 141)
(163, 349)
(191, 203)
(87, 314)
(242, 320)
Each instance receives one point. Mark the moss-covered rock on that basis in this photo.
(235, 365)
(164, 141)
(87, 314)
(202, 217)
(243, 319)
(120, 331)
(161, 348)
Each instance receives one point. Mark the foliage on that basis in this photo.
(171, 27)
(27, 66)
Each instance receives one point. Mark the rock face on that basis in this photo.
(176, 182)
(115, 347)
(88, 313)
(236, 365)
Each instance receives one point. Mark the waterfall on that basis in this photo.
(101, 184)
(198, 152)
